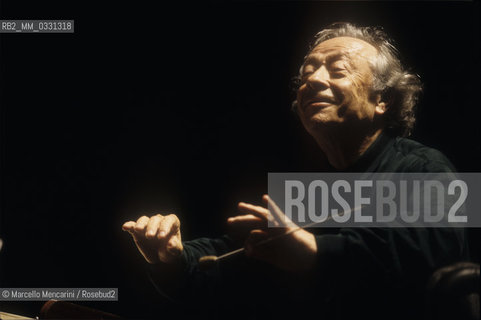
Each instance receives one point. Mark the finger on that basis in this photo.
(248, 218)
(257, 211)
(170, 226)
(277, 213)
(169, 234)
(246, 223)
(129, 226)
(153, 226)
(140, 225)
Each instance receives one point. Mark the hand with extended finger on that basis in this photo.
(295, 251)
(157, 238)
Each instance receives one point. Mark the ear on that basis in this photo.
(381, 106)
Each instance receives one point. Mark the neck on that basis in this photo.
(342, 150)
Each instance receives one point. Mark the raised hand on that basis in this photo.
(157, 238)
(296, 251)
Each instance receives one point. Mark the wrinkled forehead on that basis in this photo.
(352, 48)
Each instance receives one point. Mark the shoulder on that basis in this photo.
(413, 156)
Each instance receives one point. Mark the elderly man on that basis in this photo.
(357, 101)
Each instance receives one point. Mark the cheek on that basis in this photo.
(353, 88)
(342, 90)
(361, 85)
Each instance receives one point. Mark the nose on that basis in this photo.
(319, 79)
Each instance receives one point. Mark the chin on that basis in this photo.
(314, 120)
(321, 119)
(316, 123)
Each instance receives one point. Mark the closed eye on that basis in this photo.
(338, 72)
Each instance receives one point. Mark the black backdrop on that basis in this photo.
(181, 107)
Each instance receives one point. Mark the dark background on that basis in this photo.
(182, 108)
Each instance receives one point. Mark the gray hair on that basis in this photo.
(399, 88)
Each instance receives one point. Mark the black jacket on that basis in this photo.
(361, 272)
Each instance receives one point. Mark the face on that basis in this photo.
(335, 86)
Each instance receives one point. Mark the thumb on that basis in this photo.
(128, 226)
